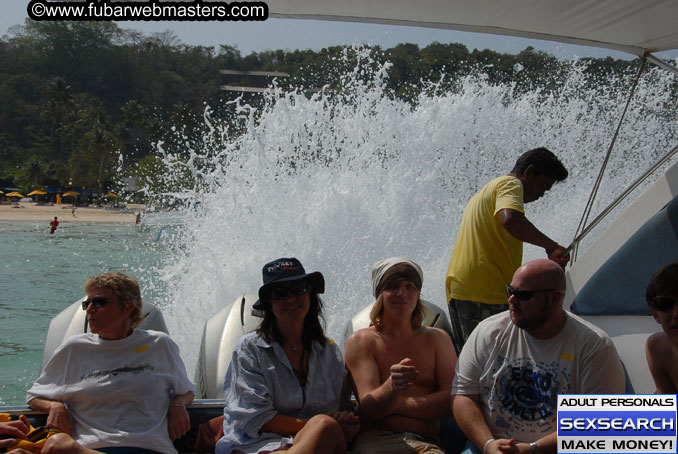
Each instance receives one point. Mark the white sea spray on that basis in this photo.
(341, 179)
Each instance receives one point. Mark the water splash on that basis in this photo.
(341, 179)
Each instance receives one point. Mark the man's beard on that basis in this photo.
(536, 321)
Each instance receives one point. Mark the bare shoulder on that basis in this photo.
(660, 347)
(360, 348)
(362, 338)
(435, 334)
(437, 338)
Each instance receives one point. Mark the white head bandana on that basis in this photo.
(380, 268)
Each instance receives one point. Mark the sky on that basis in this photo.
(288, 34)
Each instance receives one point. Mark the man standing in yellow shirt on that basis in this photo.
(489, 245)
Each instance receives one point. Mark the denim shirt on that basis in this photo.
(260, 383)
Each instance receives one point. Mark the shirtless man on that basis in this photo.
(662, 348)
(402, 371)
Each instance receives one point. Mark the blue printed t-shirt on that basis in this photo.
(518, 377)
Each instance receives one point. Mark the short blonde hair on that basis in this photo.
(125, 288)
(377, 313)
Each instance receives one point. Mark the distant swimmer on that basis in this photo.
(662, 348)
(53, 225)
(489, 245)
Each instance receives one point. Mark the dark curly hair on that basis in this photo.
(544, 161)
(663, 282)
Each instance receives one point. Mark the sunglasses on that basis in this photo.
(280, 293)
(663, 303)
(96, 302)
(524, 295)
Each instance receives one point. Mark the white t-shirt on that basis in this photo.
(518, 377)
(117, 391)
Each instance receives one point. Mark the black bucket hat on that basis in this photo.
(286, 270)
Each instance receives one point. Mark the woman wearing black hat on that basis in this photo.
(285, 383)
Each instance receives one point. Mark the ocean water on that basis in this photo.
(338, 180)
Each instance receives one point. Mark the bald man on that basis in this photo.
(516, 362)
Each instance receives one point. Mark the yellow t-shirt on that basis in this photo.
(485, 255)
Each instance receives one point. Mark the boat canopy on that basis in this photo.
(633, 26)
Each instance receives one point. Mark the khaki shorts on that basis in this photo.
(392, 442)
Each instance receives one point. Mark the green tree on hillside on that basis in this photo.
(60, 112)
(154, 89)
(91, 164)
(32, 174)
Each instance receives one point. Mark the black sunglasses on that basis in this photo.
(96, 302)
(280, 293)
(524, 295)
(663, 303)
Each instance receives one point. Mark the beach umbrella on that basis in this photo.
(2, 192)
(70, 193)
(36, 193)
(112, 194)
(14, 194)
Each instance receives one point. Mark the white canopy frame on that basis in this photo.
(633, 26)
(582, 228)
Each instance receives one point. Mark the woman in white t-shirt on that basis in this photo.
(117, 389)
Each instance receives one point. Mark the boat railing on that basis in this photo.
(577, 240)
(582, 229)
(197, 406)
(200, 411)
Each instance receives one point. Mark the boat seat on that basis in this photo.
(618, 287)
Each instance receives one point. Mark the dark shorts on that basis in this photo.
(465, 316)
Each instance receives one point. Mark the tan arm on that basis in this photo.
(517, 224)
(178, 421)
(377, 400)
(57, 413)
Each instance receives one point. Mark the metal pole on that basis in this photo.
(596, 186)
(622, 196)
(662, 63)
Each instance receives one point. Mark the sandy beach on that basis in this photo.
(34, 212)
